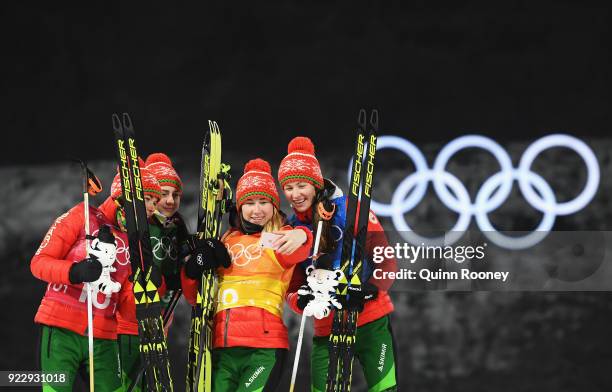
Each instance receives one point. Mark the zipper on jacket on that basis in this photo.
(227, 316)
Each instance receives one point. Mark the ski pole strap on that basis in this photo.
(93, 184)
(325, 214)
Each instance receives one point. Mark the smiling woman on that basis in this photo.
(316, 199)
(300, 194)
(170, 182)
(258, 211)
(250, 339)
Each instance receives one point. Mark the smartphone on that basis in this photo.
(267, 240)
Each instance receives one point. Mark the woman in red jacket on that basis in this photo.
(316, 199)
(250, 342)
(61, 260)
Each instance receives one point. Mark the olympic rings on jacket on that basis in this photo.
(163, 248)
(238, 250)
(122, 249)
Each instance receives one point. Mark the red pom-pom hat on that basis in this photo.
(256, 182)
(161, 166)
(300, 164)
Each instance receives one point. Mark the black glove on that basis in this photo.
(302, 300)
(358, 295)
(210, 254)
(325, 261)
(86, 270)
(173, 281)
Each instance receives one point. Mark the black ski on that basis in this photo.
(153, 347)
(344, 325)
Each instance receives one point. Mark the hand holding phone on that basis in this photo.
(268, 239)
(290, 240)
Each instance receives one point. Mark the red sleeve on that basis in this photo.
(190, 288)
(300, 253)
(162, 289)
(376, 237)
(127, 304)
(48, 263)
(109, 209)
(297, 280)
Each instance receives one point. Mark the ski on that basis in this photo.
(214, 200)
(153, 346)
(167, 313)
(344, 325)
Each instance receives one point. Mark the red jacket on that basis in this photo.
(249, 326)
(374, 309)
(64, 304)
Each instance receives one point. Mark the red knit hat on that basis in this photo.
(300, 164)
(257, 181)
(161, 166)
(149, 184)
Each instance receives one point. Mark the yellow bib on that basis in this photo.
(255, 278)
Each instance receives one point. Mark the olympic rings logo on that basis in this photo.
(249, 253)
(122, 249)
(491, 195)
(163, 248)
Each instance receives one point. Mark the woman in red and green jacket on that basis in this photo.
(61, 260)
(250, 344)
(315, 199)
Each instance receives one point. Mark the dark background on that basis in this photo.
(268, 72)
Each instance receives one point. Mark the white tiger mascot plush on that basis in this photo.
(104, 248)
(322, 285)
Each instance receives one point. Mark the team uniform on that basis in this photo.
(374, 344)
(374, 336)
(251, 342)
(63, 310)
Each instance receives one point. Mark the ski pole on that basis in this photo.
(86, 184)
(171, 305)
(296, 360)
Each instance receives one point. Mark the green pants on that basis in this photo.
(241, 369)
(129, 353)
(373, 348)
(65, 351)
